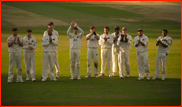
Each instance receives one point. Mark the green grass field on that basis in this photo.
(101, 91)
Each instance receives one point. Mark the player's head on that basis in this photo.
(106, 30)
(124, 31)
(164, 32)
(49, 31)
(50, 25)
(14, 31)
(116, 29)
(75, 30)
(29, 32)
(92, 29)
(140, 32)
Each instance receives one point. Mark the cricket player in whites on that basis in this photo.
(115, 49)
(163, 42)
(54, 32)
(15, 44)
(124, 42)
(141, 43)
(75, 43)
(29, 46)
(106, 41)
(92, 52)
(49, 42)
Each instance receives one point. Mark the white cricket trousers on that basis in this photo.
(92, 53)
(115, 57)
(56, 66)
(124, 58)
(30, 64)
(161, 60)
(49, 59)
(15, 57)
(142, 59)
(106, 54)
(75, 60)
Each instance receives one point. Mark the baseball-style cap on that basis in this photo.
(14, 29)
(116, 27)
(29, 30)
(139, 30)
(91, 27)
(50, 23)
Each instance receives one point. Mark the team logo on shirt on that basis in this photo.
(75, 40)
(108, 37)
(32, 40)
(143, 39)
(53, 39)
(77, 37)
(92, 39)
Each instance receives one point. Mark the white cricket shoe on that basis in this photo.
(43, 80)
(78, 78)
(110, 75)
(54, 79)
(128, 76)
(148, 78)
(162, 79)
(20, 81)
(28, 79)
(33, 79)
(113, 74)
(139, 78)
(72, 78)
(9, 81)
(101, 75)
(154, 78)
(96, 76)
(88, 76)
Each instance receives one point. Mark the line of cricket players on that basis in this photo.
(114, 47)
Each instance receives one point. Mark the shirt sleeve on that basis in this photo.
(129, 40)
(44, 33)
(35, 44)
(8, 40)
(44, 42)
(25, 46)
(146, 41)
(101, 41)
(135, 41)
(55, 41)
(68, 32)
(82, 32)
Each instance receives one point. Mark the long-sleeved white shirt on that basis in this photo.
(15, 47)
(29, 42)
(115, 42)
(54, 32)
(166, 40)
(108, 43)
(92, 42)
(140, 47)
(50, 47)
(125, 46)
(75, 39)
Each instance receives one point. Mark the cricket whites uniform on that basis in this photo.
(106, 53)
(29, 56)
(142, 56)
(49, 56)
(124, 55)
(161, 59)
(92, 52)
(115, 54)
(75, 43)
(57, 63)
(15, 56)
